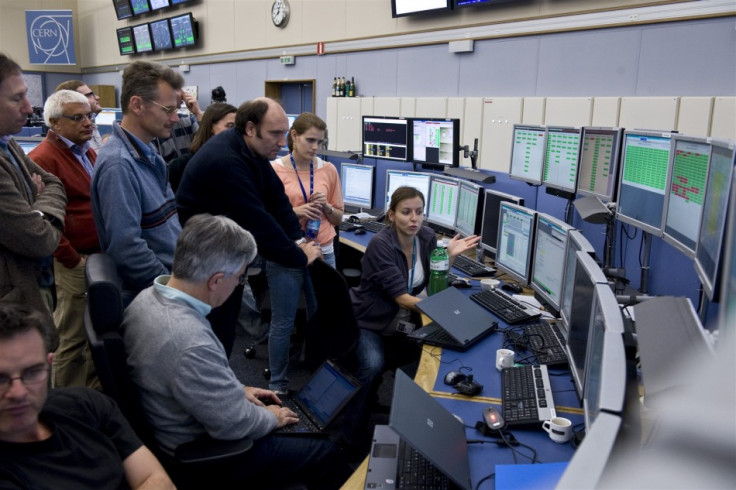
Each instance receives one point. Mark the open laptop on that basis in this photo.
(458, 322)
(420, 422)
(318, 403)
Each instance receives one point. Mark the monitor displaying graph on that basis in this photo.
(690, 159)
(561, 158)
(643, 182)
(528, 147)
(599, 158)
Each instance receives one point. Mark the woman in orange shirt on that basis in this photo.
(312, 184)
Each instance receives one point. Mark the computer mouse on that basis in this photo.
(359, 231)
(460, 283)
(512, 288)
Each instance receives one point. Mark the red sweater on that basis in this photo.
(80, 234)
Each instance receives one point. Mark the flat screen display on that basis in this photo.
(399, 178)
(161, 32)
(143, 40)
(516, 241)
(158, 4)
(140, 6)
(357, 185)
(183, 30)
(443, 196)
(126, 43)
(599, 158)
(561, 158)
(436, 141)
(549, 259)
(491, 213)
(386, 137)
(123, 10)
(399, 8)
(528, 147)
(469, 209)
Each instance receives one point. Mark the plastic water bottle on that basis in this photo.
(312, 229)
(439, 266)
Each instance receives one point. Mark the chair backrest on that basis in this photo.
(102, 319)
(332, 332)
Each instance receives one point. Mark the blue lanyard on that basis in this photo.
(413, 264)
(311, 178)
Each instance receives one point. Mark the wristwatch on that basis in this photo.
(55, 222)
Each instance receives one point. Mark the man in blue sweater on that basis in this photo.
(133, 204)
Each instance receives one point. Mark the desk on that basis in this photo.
(435, 363)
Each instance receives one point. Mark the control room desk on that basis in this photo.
(435, 363)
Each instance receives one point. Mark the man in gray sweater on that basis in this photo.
(187, 386)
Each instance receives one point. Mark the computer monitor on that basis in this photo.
(183, 30)
(605, 377)
(436, 141)
(713, 222)
(161, 32)
(400, 8)
(126, 44)
(177, 2)
(469, 209)
(140, 6)
(516, 241)
(386, 137)
(548, 259)
(727, 308)
(399, 178)
(576, 242)
(159, 4)
(107, 116)
(561, 158)
(27, 146)
(686, 192)
(645, 171)
(123, 10)
(491, 213)
(528, 147)
(599, 156)
(291, 118)
(357, 185)
(142, 37)
(442, 205)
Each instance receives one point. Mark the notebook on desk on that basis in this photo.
(458, 322)
(418, 421)
(320, 401)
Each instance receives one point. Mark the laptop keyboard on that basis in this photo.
(440, 335)
(526, 395)
(547, 342)
(415, 471)
(304, 424)
(504, 306)
(471, 267)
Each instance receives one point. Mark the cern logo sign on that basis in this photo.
(50, 37)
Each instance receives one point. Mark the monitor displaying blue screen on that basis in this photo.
(140, 6)
(161, 32)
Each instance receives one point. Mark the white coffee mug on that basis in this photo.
(559, 429)
(504, 358)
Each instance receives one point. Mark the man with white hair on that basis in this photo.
(66, 153)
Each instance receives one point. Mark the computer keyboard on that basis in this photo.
(526, 395)
(350, 209)
(504, 306)
(347, 226)
(304, 424)
(373, 226)
(471, 267)
(415, 471)
(546, 342)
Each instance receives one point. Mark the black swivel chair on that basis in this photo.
(103, 317)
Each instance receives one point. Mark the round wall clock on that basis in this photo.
(280, 13)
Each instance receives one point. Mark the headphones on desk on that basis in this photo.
(463, 383)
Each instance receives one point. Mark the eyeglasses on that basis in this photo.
(89, 94)
(30, 376)
(167, 109)
(79, 117)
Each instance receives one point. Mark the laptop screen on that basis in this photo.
(327, 391)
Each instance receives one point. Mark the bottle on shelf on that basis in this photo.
(439, 267)
(334, 86)
(341, 93)
(347, 88)
(352, 87)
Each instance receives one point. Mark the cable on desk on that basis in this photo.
(492, 475)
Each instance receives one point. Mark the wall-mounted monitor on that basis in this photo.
(469, 209)
(599, 158)
(686, 192)
(142, 37)
(516, 241)
(491, 213)
(399, 178)
(183, 30)
(400, 8)
(140, 6)
(442, 205)
(471, 3)
(159, 4)
(561, 158)
(528, 147)
(713, 221)
(161, 33)
(436, 141)
(123, 10)
(645, 170)
(126, 43)
(356, 182)
(177, 2)
(386, 137)
(549, 259)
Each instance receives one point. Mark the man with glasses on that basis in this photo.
(33, 203)
(94, 104)
(66, 153)
(187, 387)
(66, 437)
(180, 139)
(132, 202)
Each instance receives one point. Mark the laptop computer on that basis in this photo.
(320, 401)
(422, 423)
(458, 322)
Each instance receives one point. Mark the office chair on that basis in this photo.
(332, 332)
(102, 319)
